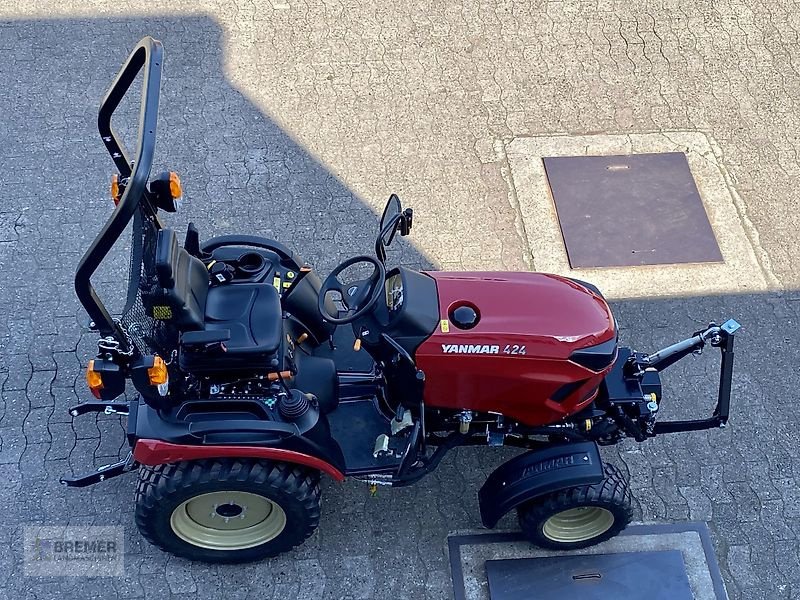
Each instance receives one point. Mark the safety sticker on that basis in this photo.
(162, 313)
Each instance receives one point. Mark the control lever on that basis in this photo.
(205, 341)
(361, 333)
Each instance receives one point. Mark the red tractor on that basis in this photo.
(254, 377)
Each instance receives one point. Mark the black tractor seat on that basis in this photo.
(251, 312)
(234, 326)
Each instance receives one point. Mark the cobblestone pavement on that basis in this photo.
(295, 120)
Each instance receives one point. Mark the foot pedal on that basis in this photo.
(382, 446)
(402, 423)
(495, 439)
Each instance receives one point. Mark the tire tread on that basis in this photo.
(612, 492)
(158, 483)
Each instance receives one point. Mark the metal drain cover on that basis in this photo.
(657, 575)
(639, 209)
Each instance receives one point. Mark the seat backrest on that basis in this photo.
(184, 283)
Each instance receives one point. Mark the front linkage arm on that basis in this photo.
(720, 336)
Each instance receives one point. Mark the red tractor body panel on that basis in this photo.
(517, 356)
(157, 452)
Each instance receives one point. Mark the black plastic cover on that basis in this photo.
(567, 390)
(288, 258)
(535, 473)
(223, 422)
(596, 357)
(618, 388)
(300, 300)
(317, 375)
(418, 317)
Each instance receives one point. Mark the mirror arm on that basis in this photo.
(380, 251)
(406, 221)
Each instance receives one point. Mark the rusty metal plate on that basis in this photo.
(657, 575)
(639, 209)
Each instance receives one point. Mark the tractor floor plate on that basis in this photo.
(657, 575)
(638, 209)
(355, 424)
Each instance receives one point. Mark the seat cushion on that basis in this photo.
(251, 312)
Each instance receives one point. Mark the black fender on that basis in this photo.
(538, 472)
(227, 428)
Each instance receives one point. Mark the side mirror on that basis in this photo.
(391, 211)
(394, 219)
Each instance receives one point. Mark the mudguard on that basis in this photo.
(535, 473)
(156, 452)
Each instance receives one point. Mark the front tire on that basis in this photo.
(227, 510)
(579, 516)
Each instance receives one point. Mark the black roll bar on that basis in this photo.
(149, 57)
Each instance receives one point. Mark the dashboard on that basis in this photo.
(412, 308)
(394, 293)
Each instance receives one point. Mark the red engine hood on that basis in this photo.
(550, 315)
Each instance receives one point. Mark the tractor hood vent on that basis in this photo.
(597, 358)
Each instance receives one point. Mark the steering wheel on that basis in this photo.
(358, 297)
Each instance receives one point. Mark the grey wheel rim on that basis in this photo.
(228, 520)
(578, 524)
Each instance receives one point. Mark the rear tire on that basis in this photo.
(227, 510)
(579, 516)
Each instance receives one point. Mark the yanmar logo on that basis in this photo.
(470, 349)
(548, 465)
